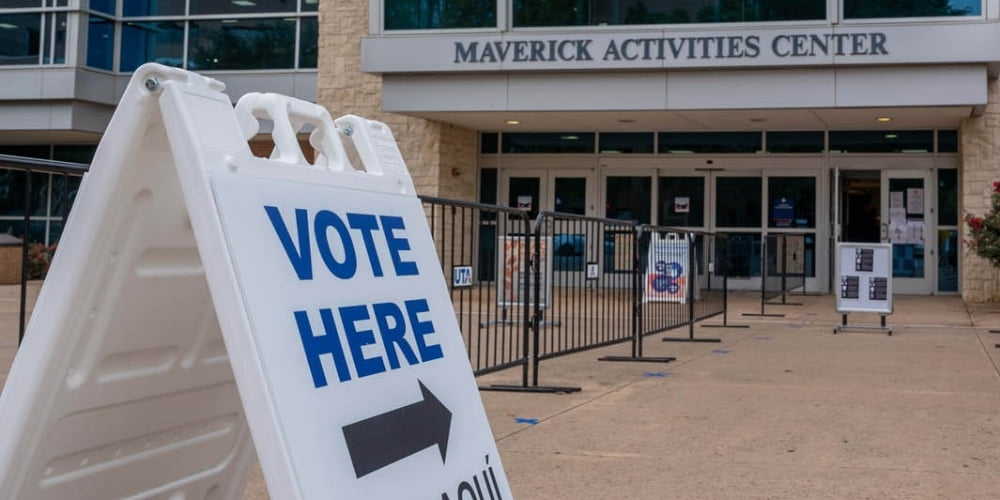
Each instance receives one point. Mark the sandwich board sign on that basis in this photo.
(206, 304)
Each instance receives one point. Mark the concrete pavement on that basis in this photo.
(784, 409)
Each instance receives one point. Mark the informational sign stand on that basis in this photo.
(206, 304)
(864, 273)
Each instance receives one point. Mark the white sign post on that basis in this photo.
(202, 296)
(864, 274)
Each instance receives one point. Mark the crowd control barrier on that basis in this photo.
(39, 180)
(783, 270)
(485, 250)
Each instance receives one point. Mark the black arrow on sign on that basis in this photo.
(384, 439)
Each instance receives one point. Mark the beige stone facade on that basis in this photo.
(441, 157)
(980, 150)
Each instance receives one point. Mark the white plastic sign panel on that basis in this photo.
(337, 327)
(864, 277)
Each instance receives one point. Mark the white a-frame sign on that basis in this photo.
(205, 303)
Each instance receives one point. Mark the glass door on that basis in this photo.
(908, 225)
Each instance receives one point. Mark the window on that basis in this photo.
(488, 143)
(792, 202)
(135, 8)
(682, 201)
(947, 197)
(625, 12)
(105, 6)
(308, 41)
(737, 201)
(867, 9)
(874, 141)
(20, 37)
(710, 142)
(626, 142)
(100, 43)
(947, 141)
(558, 142)
(153, 41)
(629, 198)
(442, 14)
(241, 6)
(795, 142)
(310, 5)
(242, 44)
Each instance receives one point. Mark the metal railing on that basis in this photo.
(28, 167)
(783, 270)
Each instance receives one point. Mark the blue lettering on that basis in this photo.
(393, 334)
(421, 328)
(396, 245)
(367, 224)
(301, 258)
(326, 219)
(316, 346)
(357, 339)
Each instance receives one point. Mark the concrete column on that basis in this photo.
(980, 150)
(441, 157)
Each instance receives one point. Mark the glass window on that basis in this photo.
(155, 41)
(134, 8)
(76, 153)
(489, 143)
(710, 142)
(100, 43)
(629, 198)
(242, 44)
(737, 201)
(310, 5)
(576, 13)
(793, 201)
(795, 142)
(570, 195)
(523, 193)
(19, 4)
(875, 141)
(308, 42)
(20, 38)
(12, 192)
(948, 197)
(488, 186)
(682, 201)
(626, 142)
(564, 142)
(742, 260)
(866, 9)
(947, 260)
(947, 141)
(441, 14)
(58, 55)
(105, 6)
(241, 6)
(64, 188)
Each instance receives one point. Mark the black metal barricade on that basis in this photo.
(718, 279)
(782, 270)
(55, 179)
(484, 252)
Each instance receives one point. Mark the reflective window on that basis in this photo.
(792, 201)
(737, 201)
(875, 141)
(947, 267)
(154, 41)
(105, 6)
(310, 5)
(947, 197)
(308, 41)
(626, 142)
(241, 6)
(19, 4)
(947, 141)
(57, 54)
(795, 142)
(20, 38)
(488, 143)
(629, 198)
(441, 14)
(556, 142)
(593, 13)
(488, 186)
(743, 256)
(134, 8)
(100, 43)
(865, 9)
(682, 201)
(710, 142)
(242, 44)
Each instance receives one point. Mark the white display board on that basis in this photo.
(667, 268)
(864, 277)
(202, 296)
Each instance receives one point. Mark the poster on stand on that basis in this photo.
(667, 269)
(865, 277)
(510, 288)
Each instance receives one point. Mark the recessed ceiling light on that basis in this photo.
(570, 137)
(244, 3)
(883, 119)
(758, 120)
(8, 26)
(626, 120)
(891, 136)
(512, 122)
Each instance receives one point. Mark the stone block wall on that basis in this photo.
(980, 150)
(441, 157)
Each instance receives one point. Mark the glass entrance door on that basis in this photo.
(907, 224)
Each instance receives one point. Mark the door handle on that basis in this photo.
(885, 232)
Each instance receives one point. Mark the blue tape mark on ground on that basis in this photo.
(721, 351)
(657, 374)
(529, 421)
(762, 338)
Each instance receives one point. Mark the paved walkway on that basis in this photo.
(784, 409)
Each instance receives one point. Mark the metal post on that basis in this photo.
(692, 282)
(24, 257)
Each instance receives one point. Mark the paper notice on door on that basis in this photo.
(897, 215)
(896, 199)
(915, 201)
(915, 232)
(907, 232)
